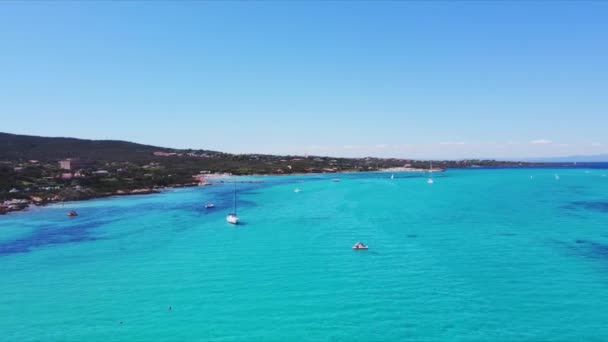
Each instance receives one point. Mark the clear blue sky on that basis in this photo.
(404, 79)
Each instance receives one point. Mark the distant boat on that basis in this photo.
(297, 190)
(209, 205)
(72, 213)
(335, 180)
(360, 245)
(232, 217)
(392, 176)
(430, 180)
(556, 176)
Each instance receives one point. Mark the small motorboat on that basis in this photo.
(72, 213)
(430, 181)
(209, 205)
(360, 245)
(335, 180)
(297, 190)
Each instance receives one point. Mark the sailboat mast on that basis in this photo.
(234, 198)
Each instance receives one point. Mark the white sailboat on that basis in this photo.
(392, 176)
(430, 180)
(232, 217)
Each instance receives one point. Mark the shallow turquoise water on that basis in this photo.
(479, 255)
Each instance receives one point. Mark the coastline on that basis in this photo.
(17, 205)
(397, 169)
(410, 169)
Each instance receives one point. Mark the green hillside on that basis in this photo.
(26, 147)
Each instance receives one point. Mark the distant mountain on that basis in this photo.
(26, 147)
(596, 158)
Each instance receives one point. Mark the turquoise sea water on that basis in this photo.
(481, 255)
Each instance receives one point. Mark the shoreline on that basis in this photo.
(412, 170)
(18, 205)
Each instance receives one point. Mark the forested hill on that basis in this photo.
(26, 147)
(18, 150)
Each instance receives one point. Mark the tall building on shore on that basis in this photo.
(75, 164)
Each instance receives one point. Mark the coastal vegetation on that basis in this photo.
(31, 172)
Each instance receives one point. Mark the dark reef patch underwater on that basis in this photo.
(601, 206)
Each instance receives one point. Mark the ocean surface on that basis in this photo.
(480, 255)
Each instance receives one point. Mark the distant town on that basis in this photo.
(39, 170)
